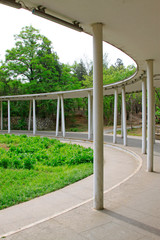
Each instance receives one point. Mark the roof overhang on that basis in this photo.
(131, 26)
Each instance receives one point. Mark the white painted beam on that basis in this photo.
(98, 115)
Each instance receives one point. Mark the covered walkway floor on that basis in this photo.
(131, 209)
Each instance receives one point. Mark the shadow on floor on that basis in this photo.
(132, 222)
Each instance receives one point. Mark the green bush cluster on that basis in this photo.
(74, 129)
(28, 152)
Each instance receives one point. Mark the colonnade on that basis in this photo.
(124, 117)
(147, 146)
(151, 116)
(95, 112)
(60, 103)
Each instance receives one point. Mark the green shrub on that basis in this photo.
(157, 114)
(21, 125)
(17, 163)
(28, 163)
(4, 162)
(25, 152)
(74, 129)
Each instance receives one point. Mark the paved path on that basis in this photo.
(118, 165)
(132, 209)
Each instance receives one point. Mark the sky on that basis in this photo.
(69, 45)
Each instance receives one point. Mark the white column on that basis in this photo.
(9, 117)
(124, 117)
(1, 115)
(90, 116)
(29, 118)
(150, 115)
(115, 116)
(58, 111)
(34, 117)
(98, 115)
(144, 114)
(154, 123)
(62, 116)
(122, 121)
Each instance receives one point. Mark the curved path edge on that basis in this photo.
(127, 151)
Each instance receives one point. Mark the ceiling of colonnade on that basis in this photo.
(130, 25)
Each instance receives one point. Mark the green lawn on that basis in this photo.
(133, 132)
(34, 166)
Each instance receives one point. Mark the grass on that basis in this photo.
(133, 132)
(34, 166)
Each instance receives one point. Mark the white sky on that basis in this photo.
(70, 45)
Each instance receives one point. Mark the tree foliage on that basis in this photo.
(33, 60)
(32, 66)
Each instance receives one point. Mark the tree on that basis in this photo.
(80, 70)
(119, 64)
(32, 66)
(3, 81)
(33, 60)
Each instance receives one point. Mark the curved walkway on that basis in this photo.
(119, 165)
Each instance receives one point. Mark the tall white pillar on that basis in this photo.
(98, 115)
(144, 115)
(122, 121)
(90, 116)
(34, 117)
(30, 113)
(58, 111)
(115, 116)
(150, 115)
(154, 123)
(9, 117)
(1, 115)
(124, 117)
(62, 116)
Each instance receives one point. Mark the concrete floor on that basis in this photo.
(132, 209)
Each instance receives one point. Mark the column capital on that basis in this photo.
(97, 24)
(149, 60)
(123, 87)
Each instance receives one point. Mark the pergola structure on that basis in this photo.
(131, 26)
